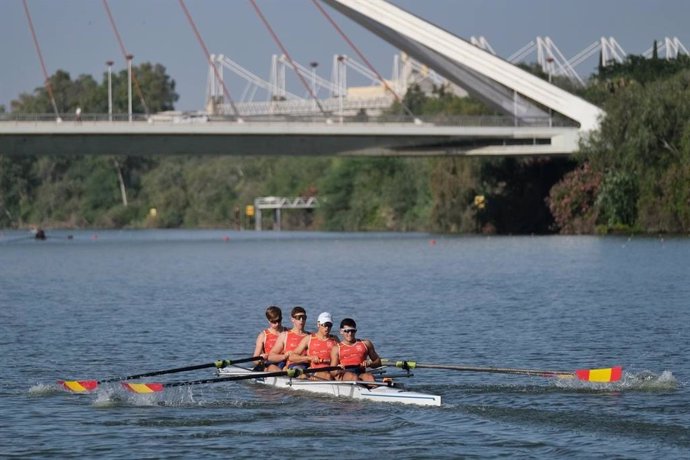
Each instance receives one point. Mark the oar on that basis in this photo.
(604, 375)
(156, 387)
(81, 386)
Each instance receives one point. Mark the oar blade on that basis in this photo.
(603, 375)
(143, 388)
(79, 386)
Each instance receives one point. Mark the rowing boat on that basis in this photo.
(371, 391)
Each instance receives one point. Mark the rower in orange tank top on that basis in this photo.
(318, 347)
(288, 341)
(268, 337)
(354, 352)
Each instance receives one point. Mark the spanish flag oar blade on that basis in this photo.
(85, 386)
(603, 375)
(143, 388)
(79, 386)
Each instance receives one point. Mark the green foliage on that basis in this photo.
(643, 70)
(372, 194)
(440, 102)
(16, 186)
(157, 88)
(453, 185)
(617, 199)
(572, 201)
(642, 151)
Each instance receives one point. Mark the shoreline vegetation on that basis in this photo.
(630, 177)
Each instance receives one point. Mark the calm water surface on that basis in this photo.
(119, 303)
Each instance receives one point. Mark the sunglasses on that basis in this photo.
(328, 325)
(347, 331)
(300, 317)
(275, 320)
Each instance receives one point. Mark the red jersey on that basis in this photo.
(321, 349)
(292, 339)
(352, 355)
(270, 339)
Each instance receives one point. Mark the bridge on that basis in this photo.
(497, 136)
(527, 126)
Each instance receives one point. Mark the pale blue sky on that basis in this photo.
(75, 34)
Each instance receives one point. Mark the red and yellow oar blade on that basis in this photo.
(143, 388)
(603, 375)
(79, 386)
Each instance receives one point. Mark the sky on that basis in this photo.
(75, 35)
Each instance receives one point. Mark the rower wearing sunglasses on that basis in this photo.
(318, 347)
(268, 337)
(288, 341)
(352, 351)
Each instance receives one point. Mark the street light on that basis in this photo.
(129, 85)
(341, 84)
(110, 89)
(313, 66)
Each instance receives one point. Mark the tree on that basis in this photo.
(642, 152)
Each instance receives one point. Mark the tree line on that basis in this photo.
(633, 175)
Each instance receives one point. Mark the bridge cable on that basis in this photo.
(48, 85)
(125, 54)
(208, 57)
(287, 55)
(362, 56)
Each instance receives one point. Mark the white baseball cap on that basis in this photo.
(324, 318)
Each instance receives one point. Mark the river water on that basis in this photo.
(116, 303)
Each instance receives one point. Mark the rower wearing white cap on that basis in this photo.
(318, 347)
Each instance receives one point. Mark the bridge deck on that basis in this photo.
(280, 138)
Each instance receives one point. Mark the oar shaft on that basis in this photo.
(254, 375)
(219, 364)
(499, 370)
(409, 365)
(154, 373)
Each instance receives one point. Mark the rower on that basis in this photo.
(288, 341)
(268, 337)
(318, 347)
(352, 351)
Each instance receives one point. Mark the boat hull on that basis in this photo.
(353, 390)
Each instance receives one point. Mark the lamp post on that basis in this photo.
(129, 85)
(341, 84)
(313, 66)
(110, 89)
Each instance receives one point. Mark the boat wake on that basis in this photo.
(111, 396)
(45, 389)
(649, 381)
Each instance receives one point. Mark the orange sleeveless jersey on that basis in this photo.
(291, 341)
(352, 355)
(269, 340)
(321, 349)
